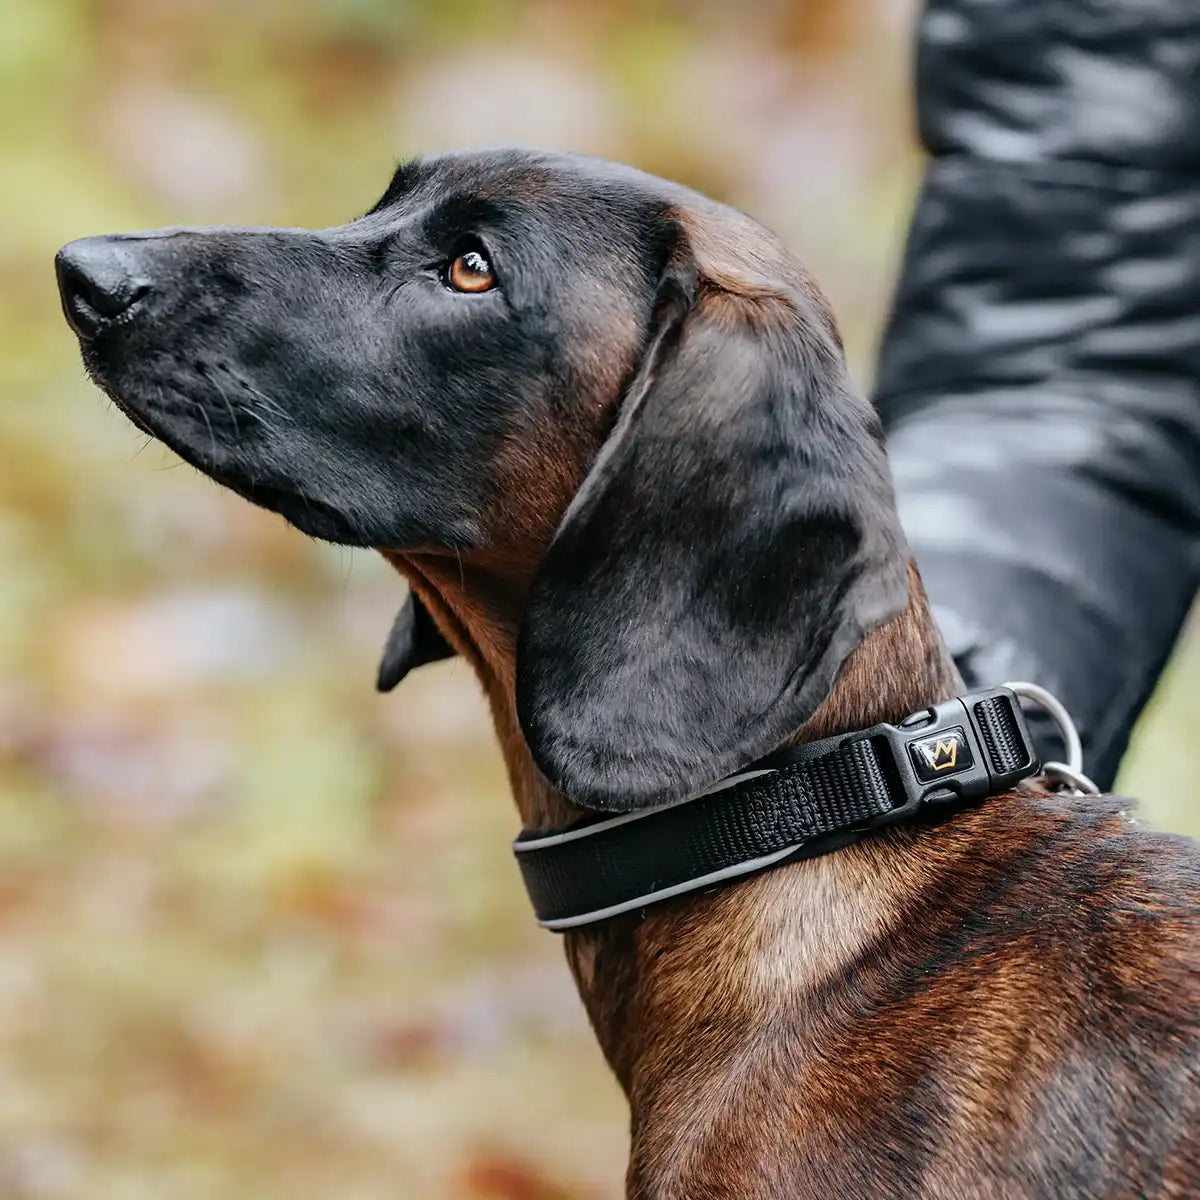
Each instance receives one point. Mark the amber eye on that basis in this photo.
(471, 272)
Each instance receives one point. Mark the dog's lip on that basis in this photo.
(272, 496)
(126, 409)
(136, 420)
(287, 502)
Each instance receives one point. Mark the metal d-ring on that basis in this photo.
(1058, 774)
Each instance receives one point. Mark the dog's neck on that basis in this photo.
(654, 984)
(900, 667)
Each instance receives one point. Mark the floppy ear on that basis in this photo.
(734, 540)
(413, 641)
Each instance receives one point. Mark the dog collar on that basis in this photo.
(796, 804)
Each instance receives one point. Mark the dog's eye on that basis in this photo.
(471, 272)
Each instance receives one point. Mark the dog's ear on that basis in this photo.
(414, 640)
(735, 538)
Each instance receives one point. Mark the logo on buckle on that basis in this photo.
(944, 753)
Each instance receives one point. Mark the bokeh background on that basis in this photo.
(260, 933)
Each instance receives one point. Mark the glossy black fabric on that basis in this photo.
(1040, 375)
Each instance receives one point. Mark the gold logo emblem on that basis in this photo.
(942, 755)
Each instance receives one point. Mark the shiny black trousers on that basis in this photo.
(1040, 374)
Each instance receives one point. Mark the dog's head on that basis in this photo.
(549, 356)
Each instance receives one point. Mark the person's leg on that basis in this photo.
(1040, 374)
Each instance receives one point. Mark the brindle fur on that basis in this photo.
(999, 1004)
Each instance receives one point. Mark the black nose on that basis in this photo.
(98, 280)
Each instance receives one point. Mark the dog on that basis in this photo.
(603, 427)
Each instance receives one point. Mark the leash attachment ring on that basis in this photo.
(1059, 776)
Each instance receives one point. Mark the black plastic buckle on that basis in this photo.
(957, 751)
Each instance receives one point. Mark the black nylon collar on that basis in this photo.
(797, 804)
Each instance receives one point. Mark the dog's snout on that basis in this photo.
(98, 281)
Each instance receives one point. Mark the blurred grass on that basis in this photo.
(261, 935)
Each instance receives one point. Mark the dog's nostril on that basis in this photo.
(95, 283)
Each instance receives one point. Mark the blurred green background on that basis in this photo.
(260, 932)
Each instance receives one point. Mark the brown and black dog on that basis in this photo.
(603, 427)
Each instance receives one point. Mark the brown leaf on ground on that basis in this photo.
(497, 1175)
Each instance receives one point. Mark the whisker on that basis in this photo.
(212, 439)
(228, 406)
(272, 406)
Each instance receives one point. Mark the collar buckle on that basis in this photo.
(961, 750)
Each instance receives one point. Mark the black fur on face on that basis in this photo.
(335, 377)
(735, 535)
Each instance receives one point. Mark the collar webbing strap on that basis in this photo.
(796, 804)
